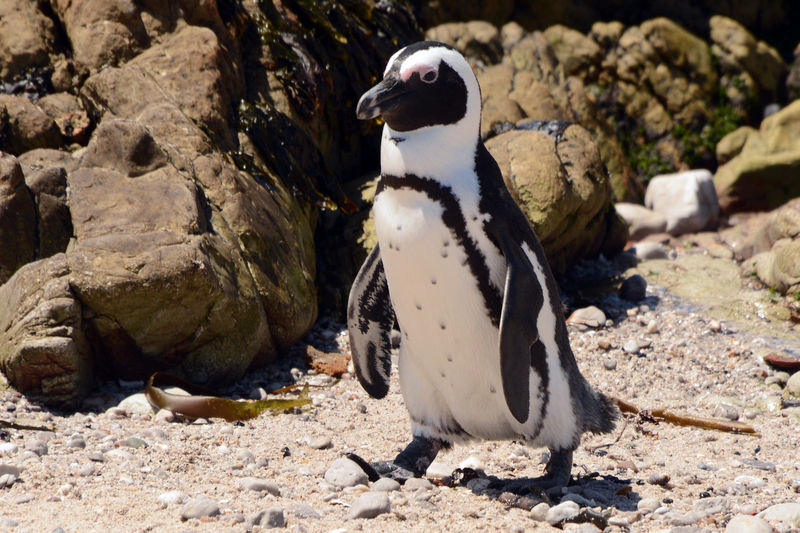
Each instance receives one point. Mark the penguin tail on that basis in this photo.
(603, 414)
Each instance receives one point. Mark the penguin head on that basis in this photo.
(426, 84)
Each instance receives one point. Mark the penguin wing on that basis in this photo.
(370, 317)
(522, 300)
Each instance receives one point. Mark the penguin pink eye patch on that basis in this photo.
(427, 73)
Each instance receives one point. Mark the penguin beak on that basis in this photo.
(380, 98)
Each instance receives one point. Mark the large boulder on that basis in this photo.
(773, 251)
(24, 126)
(764, 173)
(17, 218)
(556, 174)
(26, 38)
(686, 200)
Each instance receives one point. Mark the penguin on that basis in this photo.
(484, 351)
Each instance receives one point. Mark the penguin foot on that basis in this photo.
(557, 471)
(413, 461)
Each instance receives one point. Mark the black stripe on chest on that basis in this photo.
(453, 218)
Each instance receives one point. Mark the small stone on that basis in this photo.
(793, 386)
(96, 457)
(173, 497)
(761, 465)
(539, 512)
(473, 463)
(648, 505)
(385, 484)
(137, 404)
(439, 470)
(134, 442)
(562, 512)
(76, 442)
(751, 482)
(715, 325)
(591, 316)
(198, 507)
(610, 364)
(269, 518)
(304, 510)
(788, 513)
(658, 478)
(8, 448)
(726, 411)
(649, 250)
(38, 447)
(634, 288)
(416, 483)
(7, 469)
(86, 470)
(370, 505)
(748, 524)
(345, 473)
(652, 327)
(685, 519)
(8, 522)
(320, 443)
(631, 346)
(24, 498)
(260, 485)
(711, 506)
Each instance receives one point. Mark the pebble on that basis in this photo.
(439, 470)
(685, 519)
(711, 506)
(137, 404)
(269, 518)
(658, 478)
(634, 288)
(562, 512)
(345, 473)
(610, 364)
(473, 463)
(385, 484)
(539, 512)
(260, 485)
(134, 442)
(416, 483)
(304, 510)
(24, 498)
(591, 316)
(39, 447)
(198, 507)
(648, 505)
(748, 524)
(751, 482)
(76, 442)
(173, 497)
(320, 443)
(631, 346)
(726, 411)
(8, 448)
(648, 250)
(370, 505)
(793, 386)
(788, 513)
(86, 470)
(581, 528)
(8, 522)
(96, 456)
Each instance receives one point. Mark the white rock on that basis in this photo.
(260, 485)
(539, 512)
(647, 250)
(137, 404)
(788, 513)
(345, 473)
(385, 484)
(561, 512)
(472, 462)
(173, 496)
(8, 448)
(648, 505)
(370, 505)
(688, 201)
(747, 524)
(641, 220)
(438, 470)
(751, 482)
(591, 316)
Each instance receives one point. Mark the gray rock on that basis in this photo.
(198, 507)
(685, 519)
(646, 251)
(76, 442)
(726, 411)
(416, 483)
(320, 443)
(562, 512)
(38, 447)
(793, 386)
(7, 469)
(8, 522)
(648, 505)
(135, 442)
(658, 478)
(370, 505)
(641, 220)
(260, 485)
(788, 513)
(385, 484)
(634, 288)
(345, 473)
(304, 510)
(96, 456)
(747, 524)
(631, 346)
(137, 404)
(687, 200)
(269, 518)
(711, 506)
(173, 497)
(539, 511)
(8, 448)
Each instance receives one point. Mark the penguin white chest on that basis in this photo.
(448, 362)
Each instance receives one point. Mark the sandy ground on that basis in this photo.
(108, 468)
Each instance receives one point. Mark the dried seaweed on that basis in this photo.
(686, 420)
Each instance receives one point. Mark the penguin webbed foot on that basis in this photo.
(557, 475)
(413, 461)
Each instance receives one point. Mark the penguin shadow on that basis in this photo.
(602, 282)
(589, 491)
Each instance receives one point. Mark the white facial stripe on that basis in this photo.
(391, 62)
(427, 60)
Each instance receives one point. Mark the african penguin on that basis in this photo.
(484, 350)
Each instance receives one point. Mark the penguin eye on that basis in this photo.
(430, 76)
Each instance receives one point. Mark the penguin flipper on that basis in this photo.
(522, 300)
(370, 317)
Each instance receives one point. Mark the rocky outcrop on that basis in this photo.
(555, 172)
(764, 164)
(773, 252)
(24, 126)
(17, 219)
